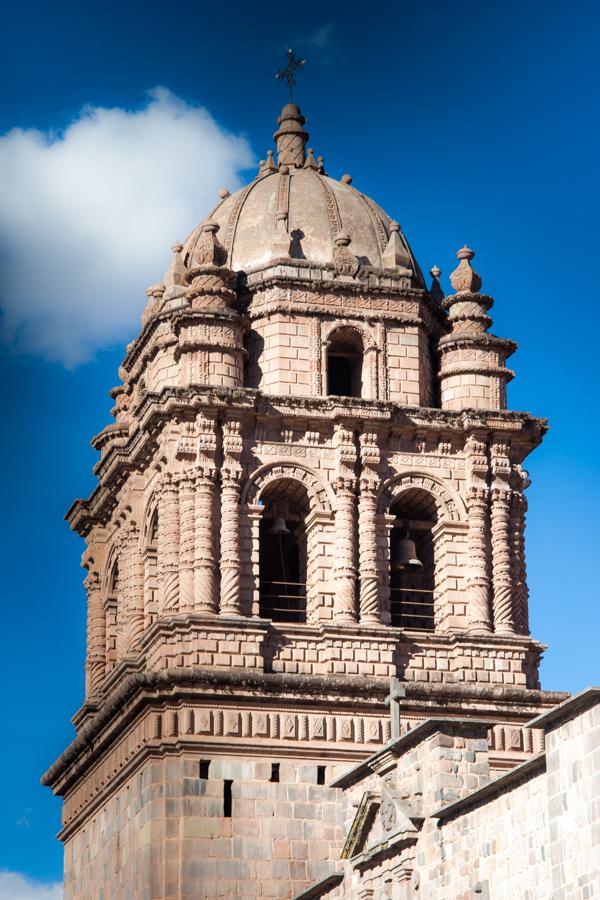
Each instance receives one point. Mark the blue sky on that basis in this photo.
(469, 122)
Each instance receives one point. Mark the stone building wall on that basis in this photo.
(531, 833)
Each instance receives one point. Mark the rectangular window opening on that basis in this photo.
(204, 768)
(274, 772)
(320, 774)
(227, 798)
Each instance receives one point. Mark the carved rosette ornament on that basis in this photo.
(367, 548)
(96, 634)
(205, 595)
(168, 547)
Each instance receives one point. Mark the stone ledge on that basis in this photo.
(567, 709)
(511, 779)
(321, 887)
(382, 760)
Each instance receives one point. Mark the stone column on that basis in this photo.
(478, 582)
(168, 548)
(95, 663)
(134, 587)
(187, 515)
(517, 530)
(230, 543)
(205, 599)
(344, 601)
(501, 562)
(367, 546)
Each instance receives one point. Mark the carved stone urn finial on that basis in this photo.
(436, 290)
(176, 273)
(464, 279)
(344, 261)
(208, 251)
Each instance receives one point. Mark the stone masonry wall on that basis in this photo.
(170, 833)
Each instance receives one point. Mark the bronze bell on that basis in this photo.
(279, 527)
(405, 557)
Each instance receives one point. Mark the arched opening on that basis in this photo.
(283, 552)
(345, 364)
(412, 565)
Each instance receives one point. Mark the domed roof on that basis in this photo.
(294, 210)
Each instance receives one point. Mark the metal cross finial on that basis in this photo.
(288, 74)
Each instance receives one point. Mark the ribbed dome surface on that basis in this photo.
(316, 208)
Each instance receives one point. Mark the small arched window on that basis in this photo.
(345, 364)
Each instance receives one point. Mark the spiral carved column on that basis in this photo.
(135, 589)
(501, 562)
(205, 600)
(96, 635)
(187, 515)
(367, 546)
(168, 548)
(478, 582)
(344, 608)
(230, 543)
(517, 528)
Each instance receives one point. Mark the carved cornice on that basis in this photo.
(157, 409)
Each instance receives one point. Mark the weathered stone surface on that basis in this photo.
(284, 436)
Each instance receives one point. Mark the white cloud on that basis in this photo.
(14, 886)
(88, 216)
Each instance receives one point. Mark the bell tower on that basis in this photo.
(310, 505)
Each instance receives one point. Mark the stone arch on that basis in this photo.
(319, 492)
(363, 332)
(366, 357)
(449, 503)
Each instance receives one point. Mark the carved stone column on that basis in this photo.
(478, 582)
(205, 599)
(367, 546)
(344, 602)
(230, 543)
(95, 663)
(501, 562)
(517, 530)
(134, 587)
(168, 548)
(187, 516)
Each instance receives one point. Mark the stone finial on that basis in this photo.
(290, 137)
(268, 166)
(177, 272)
(464, 279)
(224, 193)
(344, 261)
(436, 290)
(208, 251)
(396, 255)
(346, 179)
(321, 164)
(311, 162)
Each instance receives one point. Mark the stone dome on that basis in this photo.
(293, 210)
